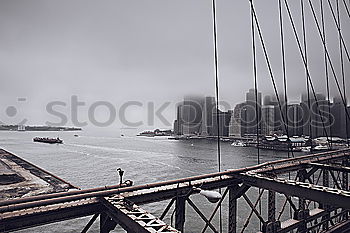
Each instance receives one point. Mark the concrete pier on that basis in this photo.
(20, 178)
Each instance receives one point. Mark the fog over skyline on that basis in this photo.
(148, 51)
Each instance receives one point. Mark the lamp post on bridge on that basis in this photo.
(121, 173)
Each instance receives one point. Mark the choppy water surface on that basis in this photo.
(91, 161)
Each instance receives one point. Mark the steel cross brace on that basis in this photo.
(133, 218)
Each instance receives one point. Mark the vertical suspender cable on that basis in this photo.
(255, 85)
(284, 71)
(284, 79)
(304, 62)
(346, 8)
(216, 82)
(217, 93)
(326, 69)
(306, 68)
(327, 53)
(339, 30)
(342, 66)
(256, 97)
(268, 63)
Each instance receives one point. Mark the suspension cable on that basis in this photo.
(268, 64)
(329, 59)
(339, 30)
(284, 70)
(255, 84)
(306, 68)
(216, 67)
(346, 8)
(342, 66)
(326, 68)
(305, 64)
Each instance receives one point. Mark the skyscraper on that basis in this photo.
(209, 108)
(195, 116)
(278, 121)
(295, 120)
(316, 119)
(339, 118)
(191, 115)
(224, 121)
(268, 119)
(235, 127)
(252, 115)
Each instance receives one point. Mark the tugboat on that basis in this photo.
(48, 140)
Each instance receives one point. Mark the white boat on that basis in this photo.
(238, 144)
(321, 148)
(306, 149)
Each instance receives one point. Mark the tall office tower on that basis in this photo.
(304, 105)
(209, 107)
(250, 116)
(178, 121)
(191, 115)
(268, 119)
(279, 121)
(224, 121)
(235, 127)
(295, 120)
(195, 116)
(322, 117)
(339, 118)
(315, 117)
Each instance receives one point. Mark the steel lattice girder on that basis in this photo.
(321, 194)
(133, 218)
(332, 167)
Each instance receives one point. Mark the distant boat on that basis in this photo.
(306, 149)
(238, 144)
(321, 148)
(48, 140)
(76, 135)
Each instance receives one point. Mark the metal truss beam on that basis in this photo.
(294, 164)
(49, 214)
(180, 189)
(333, 197)
(92, 220)
(332, 167)
(132, 218)
(190, 202)
(167, 208)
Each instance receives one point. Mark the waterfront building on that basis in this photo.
(250, 118)
(268, 119)
(194, 116)
(278, 125)
(191, 115)
(295, 120)
(316, 119)
(209, 108)
(224, 121)
(235, 127)
(339, 118)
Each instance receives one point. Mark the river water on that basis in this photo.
(91, 160)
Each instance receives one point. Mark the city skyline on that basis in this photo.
(323, 118)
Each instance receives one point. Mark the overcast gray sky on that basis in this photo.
(145, 50)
